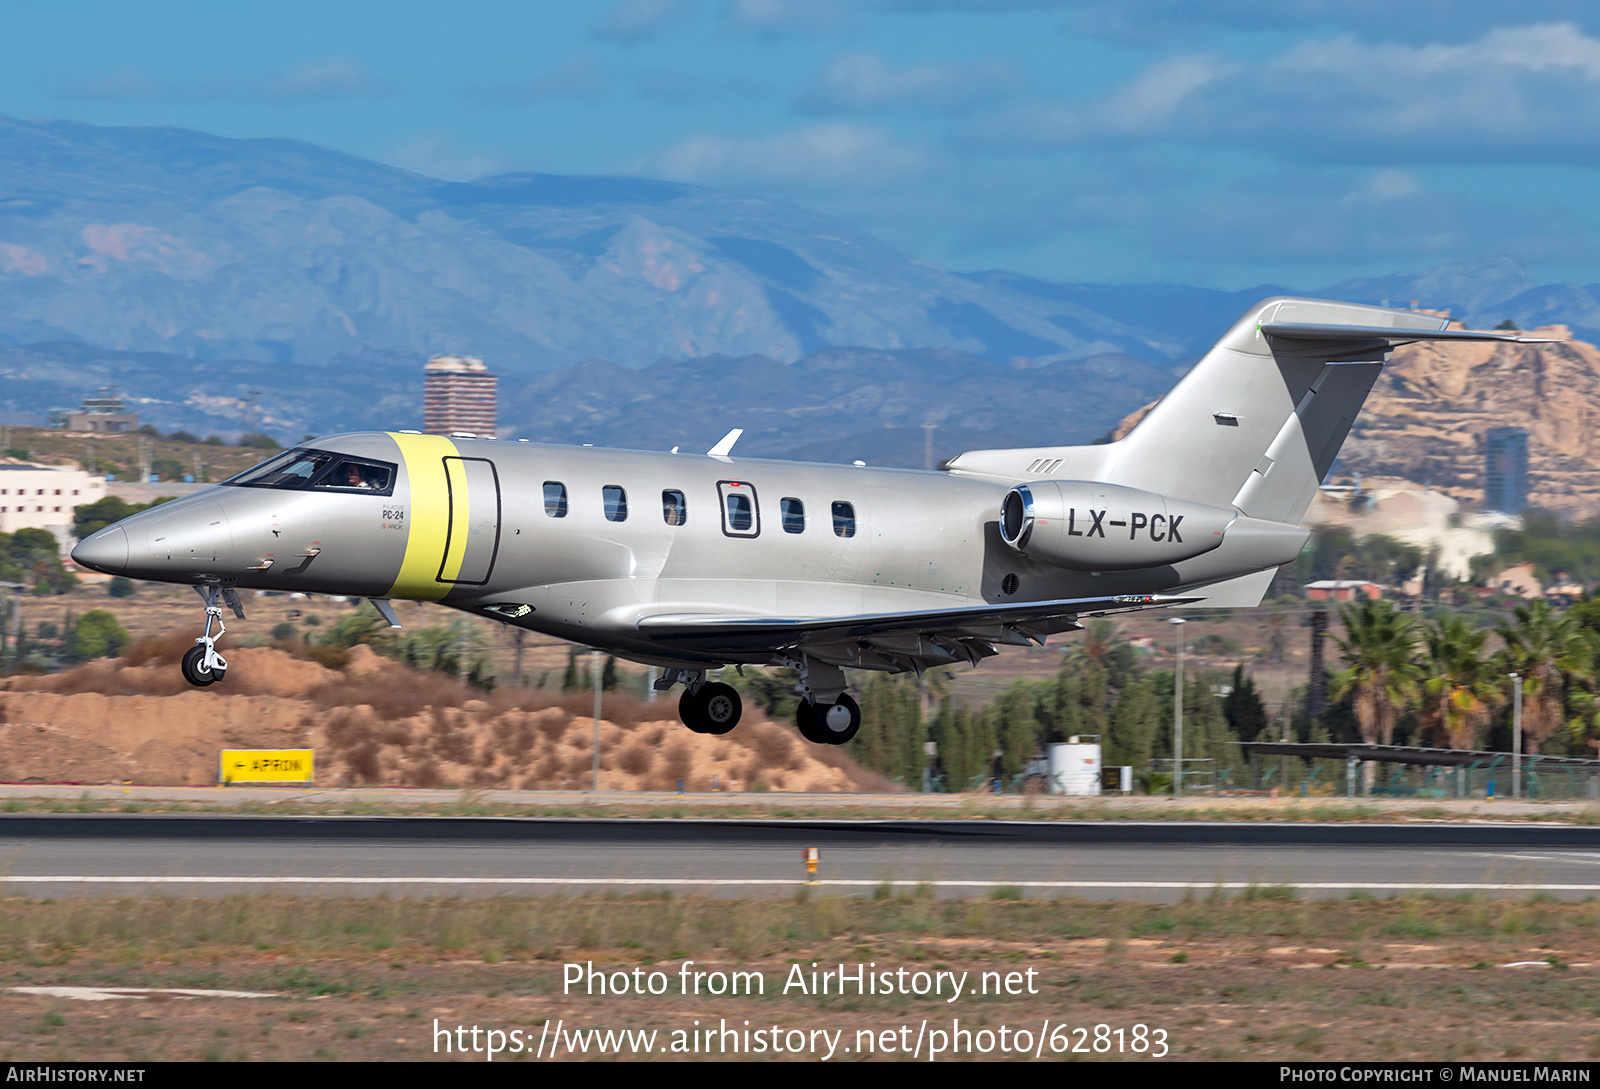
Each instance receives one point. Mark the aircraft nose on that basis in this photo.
(105, 551)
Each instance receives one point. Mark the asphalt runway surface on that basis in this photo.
(185, 855)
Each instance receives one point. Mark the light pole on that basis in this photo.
(1177, 711)
(594, 766)
(1516, 736)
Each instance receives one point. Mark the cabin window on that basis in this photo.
(674, 508)
(555, 499)
(740, 517)
(844, 519)
(616, 502)
(794, 515)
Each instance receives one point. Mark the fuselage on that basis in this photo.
(583, 543)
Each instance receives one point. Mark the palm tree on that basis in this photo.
(1544, 648)
(1383, 671)
(1462, 686)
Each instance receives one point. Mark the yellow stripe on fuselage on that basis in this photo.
(428, 520)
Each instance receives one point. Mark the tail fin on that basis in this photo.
(1257, 423)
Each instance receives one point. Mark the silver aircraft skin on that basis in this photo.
(691, 562)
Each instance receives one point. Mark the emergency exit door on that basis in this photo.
(473, 538)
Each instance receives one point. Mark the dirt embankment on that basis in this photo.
(374, 721)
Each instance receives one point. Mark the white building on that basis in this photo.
(42, 497)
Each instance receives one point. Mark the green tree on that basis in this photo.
(892, 732)
(90, 518)
(31, 556)
(1544, 648)
(965, 743)
(1135, 723)
(96, 635)
(1460, 687)
(1378, 649)
(120, 586)
(1242, 707)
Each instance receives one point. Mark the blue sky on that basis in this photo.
(1226, 144)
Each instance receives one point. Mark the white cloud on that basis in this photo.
(686, 87)
(827, 154)
(1515, 94)
(781, 17)
(328, 79)
(439, 155)
(579, 78)
(1383, 185)
(860, 82)
(638, 20)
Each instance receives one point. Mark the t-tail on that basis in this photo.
(1256, 424)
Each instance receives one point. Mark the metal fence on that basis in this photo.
(1542, 780)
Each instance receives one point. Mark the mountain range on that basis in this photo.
(189, 269)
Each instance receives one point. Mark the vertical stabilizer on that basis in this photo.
(1258, 421)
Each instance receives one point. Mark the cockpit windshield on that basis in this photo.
(320, 470)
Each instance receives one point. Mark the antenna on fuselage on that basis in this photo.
(724, 446)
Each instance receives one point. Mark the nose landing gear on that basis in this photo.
(202, 665)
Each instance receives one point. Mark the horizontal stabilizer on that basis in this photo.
(1360, 342)
(1300, 330)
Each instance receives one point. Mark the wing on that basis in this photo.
(897, 642)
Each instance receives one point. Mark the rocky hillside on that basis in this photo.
(1427, 417)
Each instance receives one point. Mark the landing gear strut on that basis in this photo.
(705, 707)
(826, 714)
(202, 665)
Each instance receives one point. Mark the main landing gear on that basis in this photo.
(826, 714)
(705, 707)
(202, 665)
(828, 723)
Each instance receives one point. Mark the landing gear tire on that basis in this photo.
(195, 671)
(714, 709)
(830, 723)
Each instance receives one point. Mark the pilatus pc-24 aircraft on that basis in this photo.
(690, 562)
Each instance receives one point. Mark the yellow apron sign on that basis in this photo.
(266, 766)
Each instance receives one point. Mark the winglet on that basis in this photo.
(386, 610)
(724, 446)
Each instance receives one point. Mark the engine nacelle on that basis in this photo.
(1085, 526)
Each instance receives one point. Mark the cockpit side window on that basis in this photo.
(322, 470)
(294, 469)
(358, 475)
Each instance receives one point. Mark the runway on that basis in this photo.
(181, 855)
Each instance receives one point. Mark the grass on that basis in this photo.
(763, 805)
(363, 979)
(651, 927)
